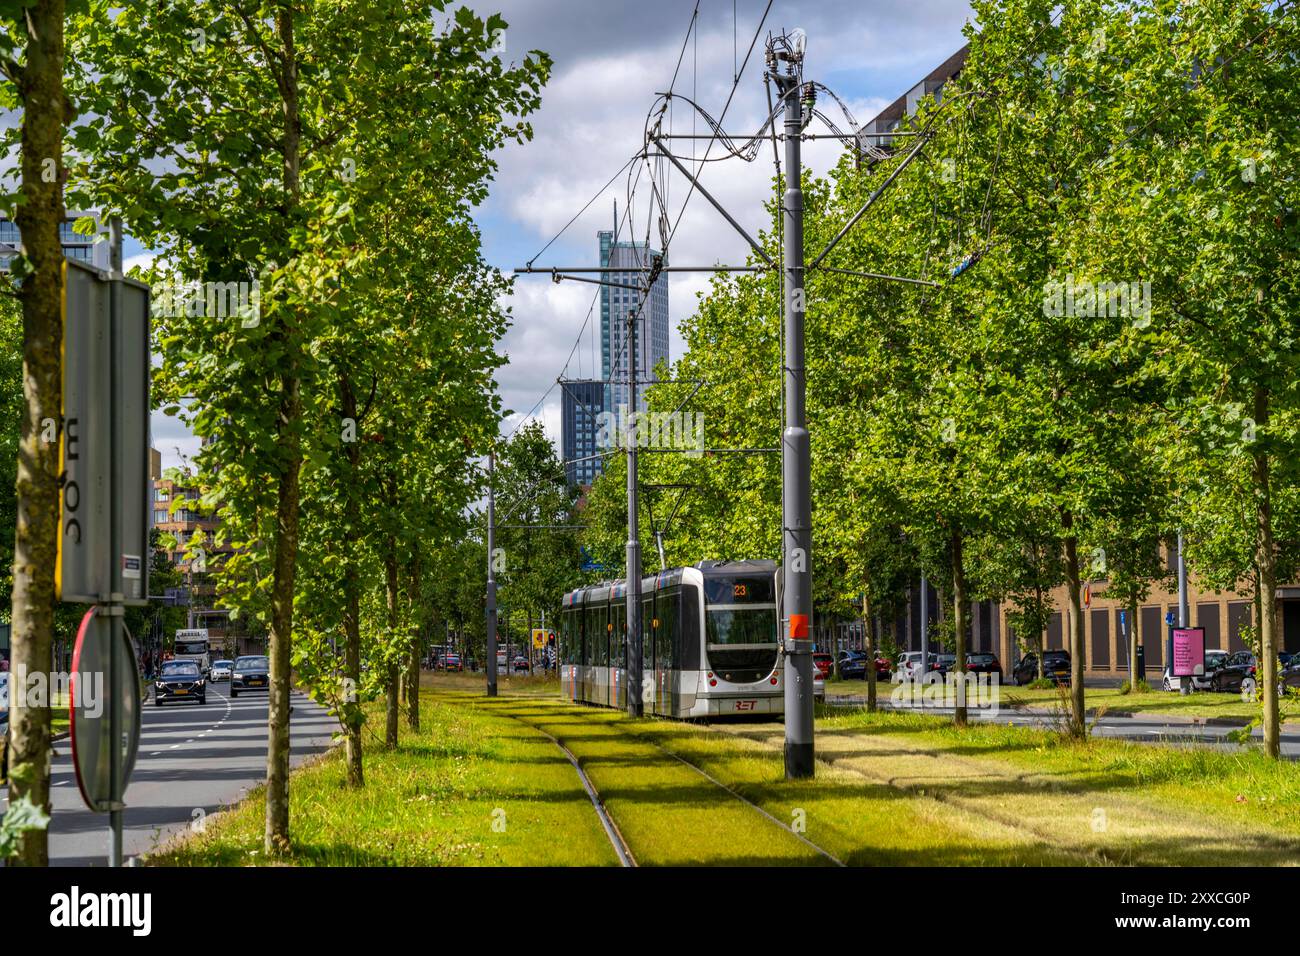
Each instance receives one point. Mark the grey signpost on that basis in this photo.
(104, 519)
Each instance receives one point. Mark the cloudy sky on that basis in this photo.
(610, 61)
(611, 58)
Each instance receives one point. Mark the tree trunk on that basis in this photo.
(351, 711)
(959, 613)
(392, 699)
(1133, 675)
(1042, 637)
(1077, 725)
(282, 588)
(413, 658)
(36, 532)
(1266, 562)
(276, 837)
(873, 644)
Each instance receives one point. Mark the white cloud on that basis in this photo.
(609, 64)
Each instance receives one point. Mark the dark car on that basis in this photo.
(982, 663)
(452, 663)
(180, 680)
(1056, 667)
(1241, 674)
(520, 663)
(824, 664)
(250, 673)
(853, 665)
(1237, 670)
(946, 662)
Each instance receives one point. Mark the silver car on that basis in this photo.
(221, 670)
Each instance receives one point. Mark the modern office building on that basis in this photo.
(91, 249)
(892, 116)
(627, 263)
(581, 405)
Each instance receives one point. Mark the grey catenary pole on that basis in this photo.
(633, 641)
(796, 500)
(491, 661)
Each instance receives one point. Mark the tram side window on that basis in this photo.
(618, 636)
(602, 636)
(686, 644)
(586, 636)
(666, 607)
(647, 634)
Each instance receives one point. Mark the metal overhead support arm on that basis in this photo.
(762, 253)
(871, 200)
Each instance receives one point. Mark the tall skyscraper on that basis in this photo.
(627, 262)
(580, 407)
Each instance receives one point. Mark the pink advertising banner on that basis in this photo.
(1189, 651)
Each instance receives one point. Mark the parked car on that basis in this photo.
(180, 680)
(824, 664)
(221, 670)
(1241, 674)
(250, 673)
(946, 662)
(853, 665)
(1056, 667)
(819, 684)
(452, 663)
(982, 663)
(884, 667)
(1213, 661)
(909, 665)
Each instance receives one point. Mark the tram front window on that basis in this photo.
(740, 628)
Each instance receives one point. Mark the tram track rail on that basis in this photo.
(1044, 836)
(615, 836)
(610, 825)
(751, 804)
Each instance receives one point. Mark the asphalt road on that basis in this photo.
(1144, 729)
(193, 760)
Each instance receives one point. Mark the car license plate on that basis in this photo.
(180, 690)
(255, 680)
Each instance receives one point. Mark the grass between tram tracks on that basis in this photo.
(891, 789)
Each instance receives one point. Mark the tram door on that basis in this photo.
(591, 630)
(666, 613)
(648, 675)
(617, 652)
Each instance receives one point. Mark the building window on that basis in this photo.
(159, 516)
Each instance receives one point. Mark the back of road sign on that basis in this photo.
(105, 397)
(105, 709)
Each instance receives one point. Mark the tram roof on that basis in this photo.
(666, 579)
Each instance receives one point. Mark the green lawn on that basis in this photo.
(1200, 704)
(1127, 802)
(472, 788)
(891, 789)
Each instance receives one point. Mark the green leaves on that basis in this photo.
(22, 815)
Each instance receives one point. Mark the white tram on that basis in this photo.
(709, 643)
